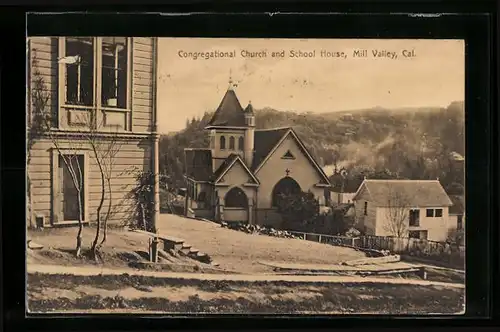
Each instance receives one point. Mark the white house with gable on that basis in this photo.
(412, 208)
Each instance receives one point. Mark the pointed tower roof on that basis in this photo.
(229, 113)
(249, 108)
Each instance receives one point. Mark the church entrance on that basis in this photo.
(236, 205)
(285, 186)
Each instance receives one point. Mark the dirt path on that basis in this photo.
(239, 251)
(94, 271)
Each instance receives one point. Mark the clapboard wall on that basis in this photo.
(135, 144)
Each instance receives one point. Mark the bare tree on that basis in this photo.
(397, 213)
(103, 149)
(40, 126)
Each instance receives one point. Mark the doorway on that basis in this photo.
(71, 174)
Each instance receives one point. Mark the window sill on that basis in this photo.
(102, 108)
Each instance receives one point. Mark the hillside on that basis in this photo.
(409, 143)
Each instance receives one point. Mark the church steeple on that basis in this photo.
(230, 81)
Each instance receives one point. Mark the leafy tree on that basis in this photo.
(299, 210)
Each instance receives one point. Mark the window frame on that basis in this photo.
(241, 143)
(417, 211)
(232, 143)
(365, 211)
(101, 110)
(222, 138)
(427, 213)
(56, 218)
(242, 193)
(436, 213)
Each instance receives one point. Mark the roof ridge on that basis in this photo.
(273, 129)
(400, 180)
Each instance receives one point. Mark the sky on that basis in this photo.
(411, 73)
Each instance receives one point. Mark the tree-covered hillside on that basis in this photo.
(423, 143)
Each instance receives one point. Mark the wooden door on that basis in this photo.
(68, 191)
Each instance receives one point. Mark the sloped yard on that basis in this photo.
(238, 251)
(123, 249)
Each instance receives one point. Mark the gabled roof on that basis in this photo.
(229, 113)
(458, 206)
(264, 141)
(232, 159)
(198, 164)
(267, 141)
(417, 193)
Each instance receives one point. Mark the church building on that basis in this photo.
(241, 175)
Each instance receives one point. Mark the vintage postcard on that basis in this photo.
(252, 176)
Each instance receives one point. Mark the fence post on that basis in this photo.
(304, 236)
(352, 242)
(320, 238)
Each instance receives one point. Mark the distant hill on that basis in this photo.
(410, 142)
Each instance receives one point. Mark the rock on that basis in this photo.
(34, 245)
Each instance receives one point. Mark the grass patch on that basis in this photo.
(244, 297)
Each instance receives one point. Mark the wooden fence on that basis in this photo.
(325, 238)
(431, 250)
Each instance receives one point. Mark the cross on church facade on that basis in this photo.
(287, 171)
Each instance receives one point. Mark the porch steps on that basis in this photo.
(181, 247)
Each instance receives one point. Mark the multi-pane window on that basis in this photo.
(422, 235)
(460, 224)
(81, 66)
(434, 213)
(114, 72)
(366, 209)
(222, 142)
(79, 60)
(231, 143)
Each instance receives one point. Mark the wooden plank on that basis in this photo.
(141, 45)
(45, 63)
(146, 89)
(143, 54)
(142, 102)
(43, 40)
(147, 62)
(44, 54)
(141, 81)
(49, 73)
(143, 76)
(143, 113)
(143, 68)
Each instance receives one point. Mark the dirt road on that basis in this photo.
(95, 271)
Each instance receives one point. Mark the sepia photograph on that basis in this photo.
(245, 176)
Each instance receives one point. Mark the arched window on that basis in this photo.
(231, 143)
(222, 142)
(236, 198)
(285, 186)
(240, 143)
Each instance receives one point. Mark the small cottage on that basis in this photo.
(403, 208)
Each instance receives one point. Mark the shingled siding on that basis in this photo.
(142, 84)
(133, 153)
